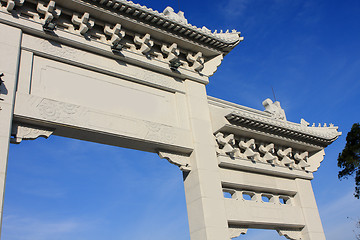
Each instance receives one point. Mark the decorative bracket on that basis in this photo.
(197, 61)
(172, 53)
(236, 231)
(286, 157)
(84, 22)
(144, 42)
(22, 131)
(49, 11)
(302, 159)
(115, 33)
(315, 160)
(212, 65)
(290, 234)
(180, 160)
(12, 3)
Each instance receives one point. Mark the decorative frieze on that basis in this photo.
(113, 34)
(264, 152)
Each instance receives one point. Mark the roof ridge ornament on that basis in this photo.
(172, 15)
(274, 109)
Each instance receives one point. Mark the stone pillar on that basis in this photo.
(10, 40)
(203, 190)
(313, 229)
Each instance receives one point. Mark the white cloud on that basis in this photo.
(234, 8)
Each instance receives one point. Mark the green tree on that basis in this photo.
(349, 159)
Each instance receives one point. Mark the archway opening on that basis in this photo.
(60, 188)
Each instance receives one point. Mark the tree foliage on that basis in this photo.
(349, 159)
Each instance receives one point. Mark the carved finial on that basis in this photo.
(12, 3)
(274, 109)
(304, 123)
(197, 61)
(115, 33)
(49, 11)
(176, 17)
(84, 22)
(144, 42)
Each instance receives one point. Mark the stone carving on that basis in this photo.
(145, 43)
(302, 159)
(225, 143)
(285, 156)
(84, 22)
(320, 136)
(115, 33)
(59, 111)
(176, 17)
(171, 52)
(290, 234)
(249, 149)
(12, 3)
(22, 131)
(197, 61)
(180, 160)
(237, 231)
(268, 151)
(49, 11)
(315, 160)
(236, 147)
(210, 66)
(274, 109)
(160, 132)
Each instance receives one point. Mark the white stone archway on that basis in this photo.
(122, 74)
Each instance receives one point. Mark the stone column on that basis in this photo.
(10, 40)
(203, 190)
(313, 229)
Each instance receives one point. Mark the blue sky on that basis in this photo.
(308, 51)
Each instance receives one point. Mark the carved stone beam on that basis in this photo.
(49, 11)
(84, 22)
(197, 61)
(290, 234)
(171, 52)
(145, 43)
(12, 3)
(115, 33)
(22, 131)
(236, 231)
(180, 160)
